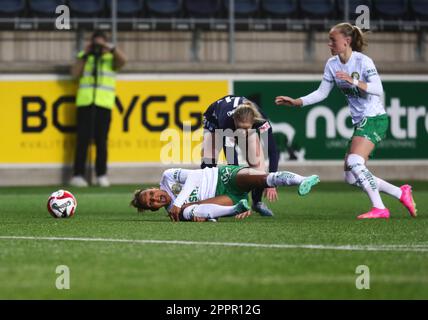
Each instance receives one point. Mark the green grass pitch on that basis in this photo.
(394, 250)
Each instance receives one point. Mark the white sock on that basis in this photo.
(349, 178)
(388, 188)
(209, 211)
(382, 185)
(283, 178)
(365, 178)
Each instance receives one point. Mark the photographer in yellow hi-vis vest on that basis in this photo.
(96, 68)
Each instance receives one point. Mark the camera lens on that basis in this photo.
(97, 49)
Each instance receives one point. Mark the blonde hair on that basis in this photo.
(135, 202)
(358, 38)
(247, 110)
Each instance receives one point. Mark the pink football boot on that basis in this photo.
(407, 199)
(375, 213)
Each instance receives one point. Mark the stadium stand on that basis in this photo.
(353, 4)
(391, 9)
(12, 8)
(419, 8)
(300, 15)
(87, 8)
(164, 8)
(128, 8)
(244, 8)
(279, 8)
(203, 8)
(318, 8)
(44, 8)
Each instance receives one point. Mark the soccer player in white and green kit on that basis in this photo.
(356, 76)
(211, 193)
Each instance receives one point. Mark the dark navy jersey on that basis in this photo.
(219, 115)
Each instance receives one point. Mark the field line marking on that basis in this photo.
(415, 248)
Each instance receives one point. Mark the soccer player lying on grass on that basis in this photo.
(210, 193)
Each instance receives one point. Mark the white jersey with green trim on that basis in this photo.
(360, 67)
(186, 186)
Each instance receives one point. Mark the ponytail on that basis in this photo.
(358, 39)
(359, 42)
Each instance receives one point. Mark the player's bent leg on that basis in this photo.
(248, 179)
(350, 179)
(286, 178)
(283, 178)
(210, 212)
(403, 193)
(191, 213)
(356, 164)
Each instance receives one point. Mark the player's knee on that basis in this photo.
(349, 178)
(354, 161)
(189, 212)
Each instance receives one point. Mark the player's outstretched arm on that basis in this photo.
(314, 97)
(288, 101)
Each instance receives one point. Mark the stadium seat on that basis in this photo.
(202, 8)
(166, 8)
(391, 9)
(279, 8)
(128, 8)
(419, 8)
(44, 7)
(244, 8)
(87, 8)
(319, 9)
(11, 8)
(353, 4)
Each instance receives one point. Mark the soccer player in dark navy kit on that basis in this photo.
(233, 112)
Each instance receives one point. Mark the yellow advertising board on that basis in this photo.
(38, 120)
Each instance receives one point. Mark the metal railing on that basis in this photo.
(230, 24)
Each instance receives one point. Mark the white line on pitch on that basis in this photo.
(415, 248)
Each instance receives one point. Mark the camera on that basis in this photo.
(97, 49)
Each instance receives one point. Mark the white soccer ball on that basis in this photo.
(62, 204)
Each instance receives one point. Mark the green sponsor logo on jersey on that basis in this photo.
(351, 92)
(225, 175)
(193, 197)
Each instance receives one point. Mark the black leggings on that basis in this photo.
(92, 122)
